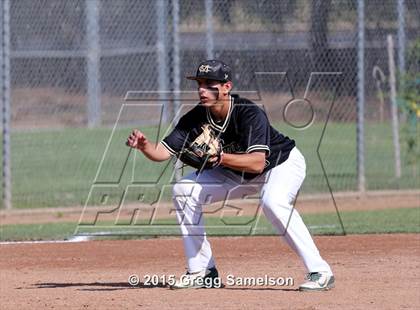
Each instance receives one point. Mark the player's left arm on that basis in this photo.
(250, 162)
(255, 137)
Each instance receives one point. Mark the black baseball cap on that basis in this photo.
(213, 70)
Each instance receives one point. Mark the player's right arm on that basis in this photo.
(153, 151)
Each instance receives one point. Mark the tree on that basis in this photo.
(319, 32)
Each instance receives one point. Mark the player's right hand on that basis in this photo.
(136, 140)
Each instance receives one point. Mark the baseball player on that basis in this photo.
(250, 157)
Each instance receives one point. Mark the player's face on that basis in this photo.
(209, 91)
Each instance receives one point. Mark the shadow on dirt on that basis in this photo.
(114, 286)
(96, 286)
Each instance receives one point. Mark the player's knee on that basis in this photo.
(183, 188)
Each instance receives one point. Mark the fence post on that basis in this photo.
(209, 27)
(361, 178)
(93, 59)
(394, 110)
(401, 37)
(5, 98)
(176, 76)
(176, 60)
(162, 62)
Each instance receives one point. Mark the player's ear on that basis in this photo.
(227, 87)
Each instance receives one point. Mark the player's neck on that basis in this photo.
(220, 109)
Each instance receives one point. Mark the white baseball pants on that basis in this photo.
(278, 188)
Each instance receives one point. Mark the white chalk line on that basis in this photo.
(71, 240)
(322, 226)
(88, 237)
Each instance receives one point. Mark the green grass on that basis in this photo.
(51, 231)
(57, 168)
(355, 222)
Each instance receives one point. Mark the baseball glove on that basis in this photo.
(205, 147)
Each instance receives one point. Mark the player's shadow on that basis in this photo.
(115, 286)
(98, 286)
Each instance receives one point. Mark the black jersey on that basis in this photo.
(246, 129)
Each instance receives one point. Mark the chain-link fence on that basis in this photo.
(72, 62)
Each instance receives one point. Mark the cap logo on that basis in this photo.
(204, 68)
(226, 76)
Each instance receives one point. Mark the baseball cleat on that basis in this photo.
(208, 278)
(318, 281)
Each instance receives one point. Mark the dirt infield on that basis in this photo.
(372, 271)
